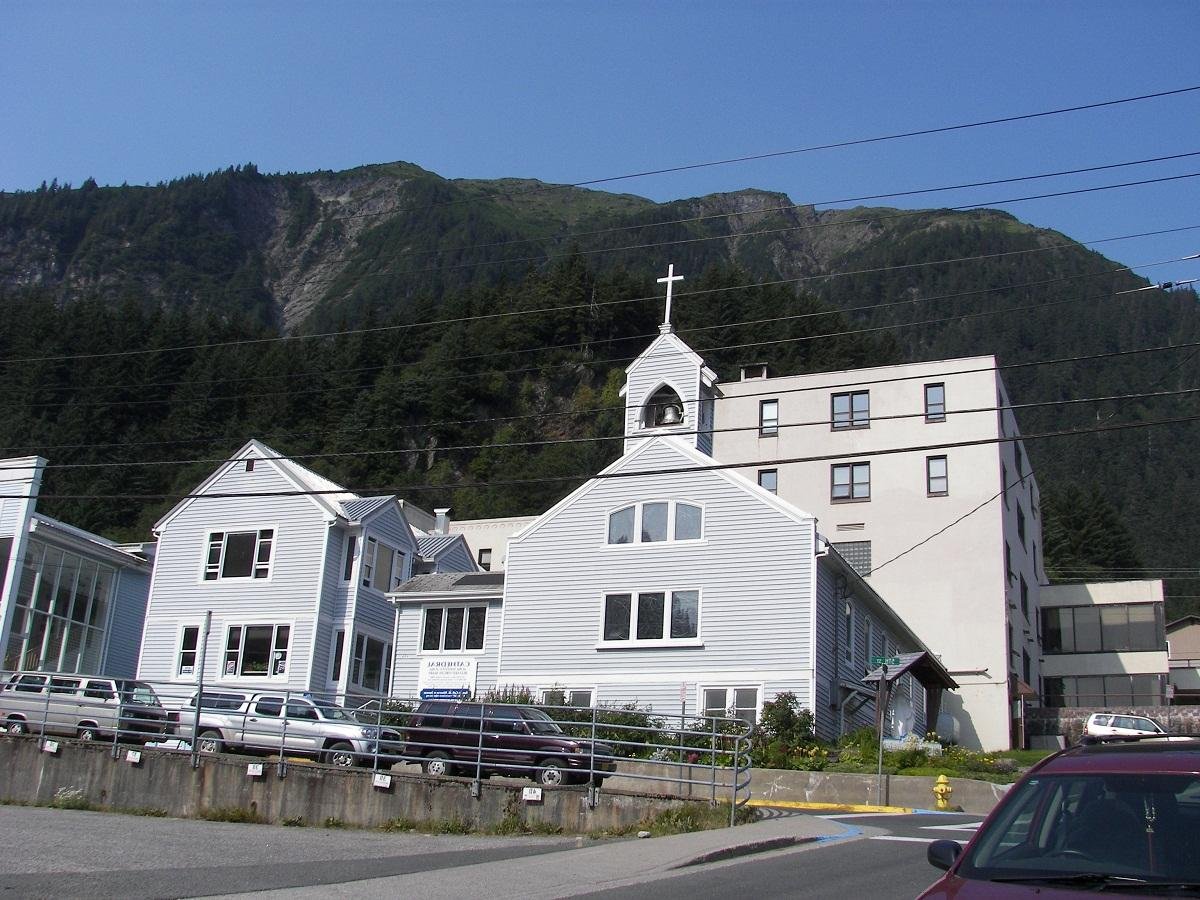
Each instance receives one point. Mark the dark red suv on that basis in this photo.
(452, 738)
(1120, 818)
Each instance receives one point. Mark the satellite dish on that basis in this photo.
(902, 717)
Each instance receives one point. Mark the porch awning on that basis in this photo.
(925, 667)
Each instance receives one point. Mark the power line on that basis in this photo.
(675, 470)
(511, 313)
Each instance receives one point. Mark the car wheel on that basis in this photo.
(210, 742)
(87, 733)
(550, 773)
(16, 726)
(341, 755)
(437, 764)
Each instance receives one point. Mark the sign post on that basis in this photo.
(881, 698)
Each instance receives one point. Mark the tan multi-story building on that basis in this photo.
(918, 476)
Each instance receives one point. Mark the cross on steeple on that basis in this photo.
(669, 280)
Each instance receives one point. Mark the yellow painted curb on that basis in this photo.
(828, 807)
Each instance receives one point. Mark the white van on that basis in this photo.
(1120, 725)
(87, 707)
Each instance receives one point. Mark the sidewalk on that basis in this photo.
(583, 870)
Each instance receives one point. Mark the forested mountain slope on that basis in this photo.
(464, 390)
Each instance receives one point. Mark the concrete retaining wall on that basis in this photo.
(310, 794)
(808, 787)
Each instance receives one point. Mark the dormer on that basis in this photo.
(669, 390)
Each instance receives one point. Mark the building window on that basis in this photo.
(239, 554)
(1021, 524)
(1024, 597)
(848, 634)
(339, 647)
(732, 702)
(647, 616)
(768, 418)
(257, 651)
(1103, 690)
(351, 547)
(768, 480)
(857, 553)
(851, 410)
(935, 402)
(937, 478)
(1004, 483)
(1020, 458)
(382, 566)
(655, 522)
(560, 696)
(452, 629)
(371, 664)
(60, 612)
(485, 559)
(1108, 627)
(850, 481)
(189, 640)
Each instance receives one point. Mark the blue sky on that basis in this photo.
(143, 92)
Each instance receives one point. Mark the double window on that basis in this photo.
(937, 476)
(652, 616)
(453, 629)
(851, 410)
(655, 522)
(850, 481)
(1020, 524)
(257, 651)
(736, 702)
(768, 418)
(382, 566)
(935, 402)
(239, 554)
(561, 696)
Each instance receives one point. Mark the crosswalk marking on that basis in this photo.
(900, 837)
(959, 826)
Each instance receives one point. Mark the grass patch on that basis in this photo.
(692, 817)
(231, 814)
(334, 822)
(71, 798)
(292, 821)
(393, 825)
(154, 812)
(451, 826)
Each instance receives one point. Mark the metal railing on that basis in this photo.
(698, 757)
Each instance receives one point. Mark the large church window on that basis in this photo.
(655, 522)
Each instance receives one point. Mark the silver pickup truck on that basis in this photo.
(275, 723)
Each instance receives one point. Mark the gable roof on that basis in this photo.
(430, 545)
(693, 460)
(461, 585)
(359, 509)
(326, 495)
(707, 376)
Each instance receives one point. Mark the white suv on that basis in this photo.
(1120, 725)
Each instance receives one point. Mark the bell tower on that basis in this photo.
(669, 389)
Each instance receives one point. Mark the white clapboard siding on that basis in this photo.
(753, 568)
(126, 623)
(409, 655)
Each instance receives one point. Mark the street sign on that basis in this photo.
(885, 660)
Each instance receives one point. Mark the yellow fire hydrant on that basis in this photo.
(942, 792)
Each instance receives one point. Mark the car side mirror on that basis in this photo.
(943, 854)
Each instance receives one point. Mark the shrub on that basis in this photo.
(70, 798)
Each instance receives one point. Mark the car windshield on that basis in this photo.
(138, 692)
(1080, 826)
(540, 723)
(329, 710)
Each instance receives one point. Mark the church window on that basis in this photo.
(656, 522)
(652, 617)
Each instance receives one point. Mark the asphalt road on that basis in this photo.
(66, 854)
(886, 861)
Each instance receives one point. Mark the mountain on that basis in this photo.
(237, 255)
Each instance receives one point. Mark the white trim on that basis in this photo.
(668, 601)
(463, 651)
(638, 507)
(175, 674)
(238, 677)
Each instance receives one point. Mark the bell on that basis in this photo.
(670, 415)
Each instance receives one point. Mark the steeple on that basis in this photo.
(669, 389)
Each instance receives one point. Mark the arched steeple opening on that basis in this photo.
(664, 409)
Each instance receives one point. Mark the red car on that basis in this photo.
(1118, 818)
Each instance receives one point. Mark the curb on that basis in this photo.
(746, 849)
(831, 807)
